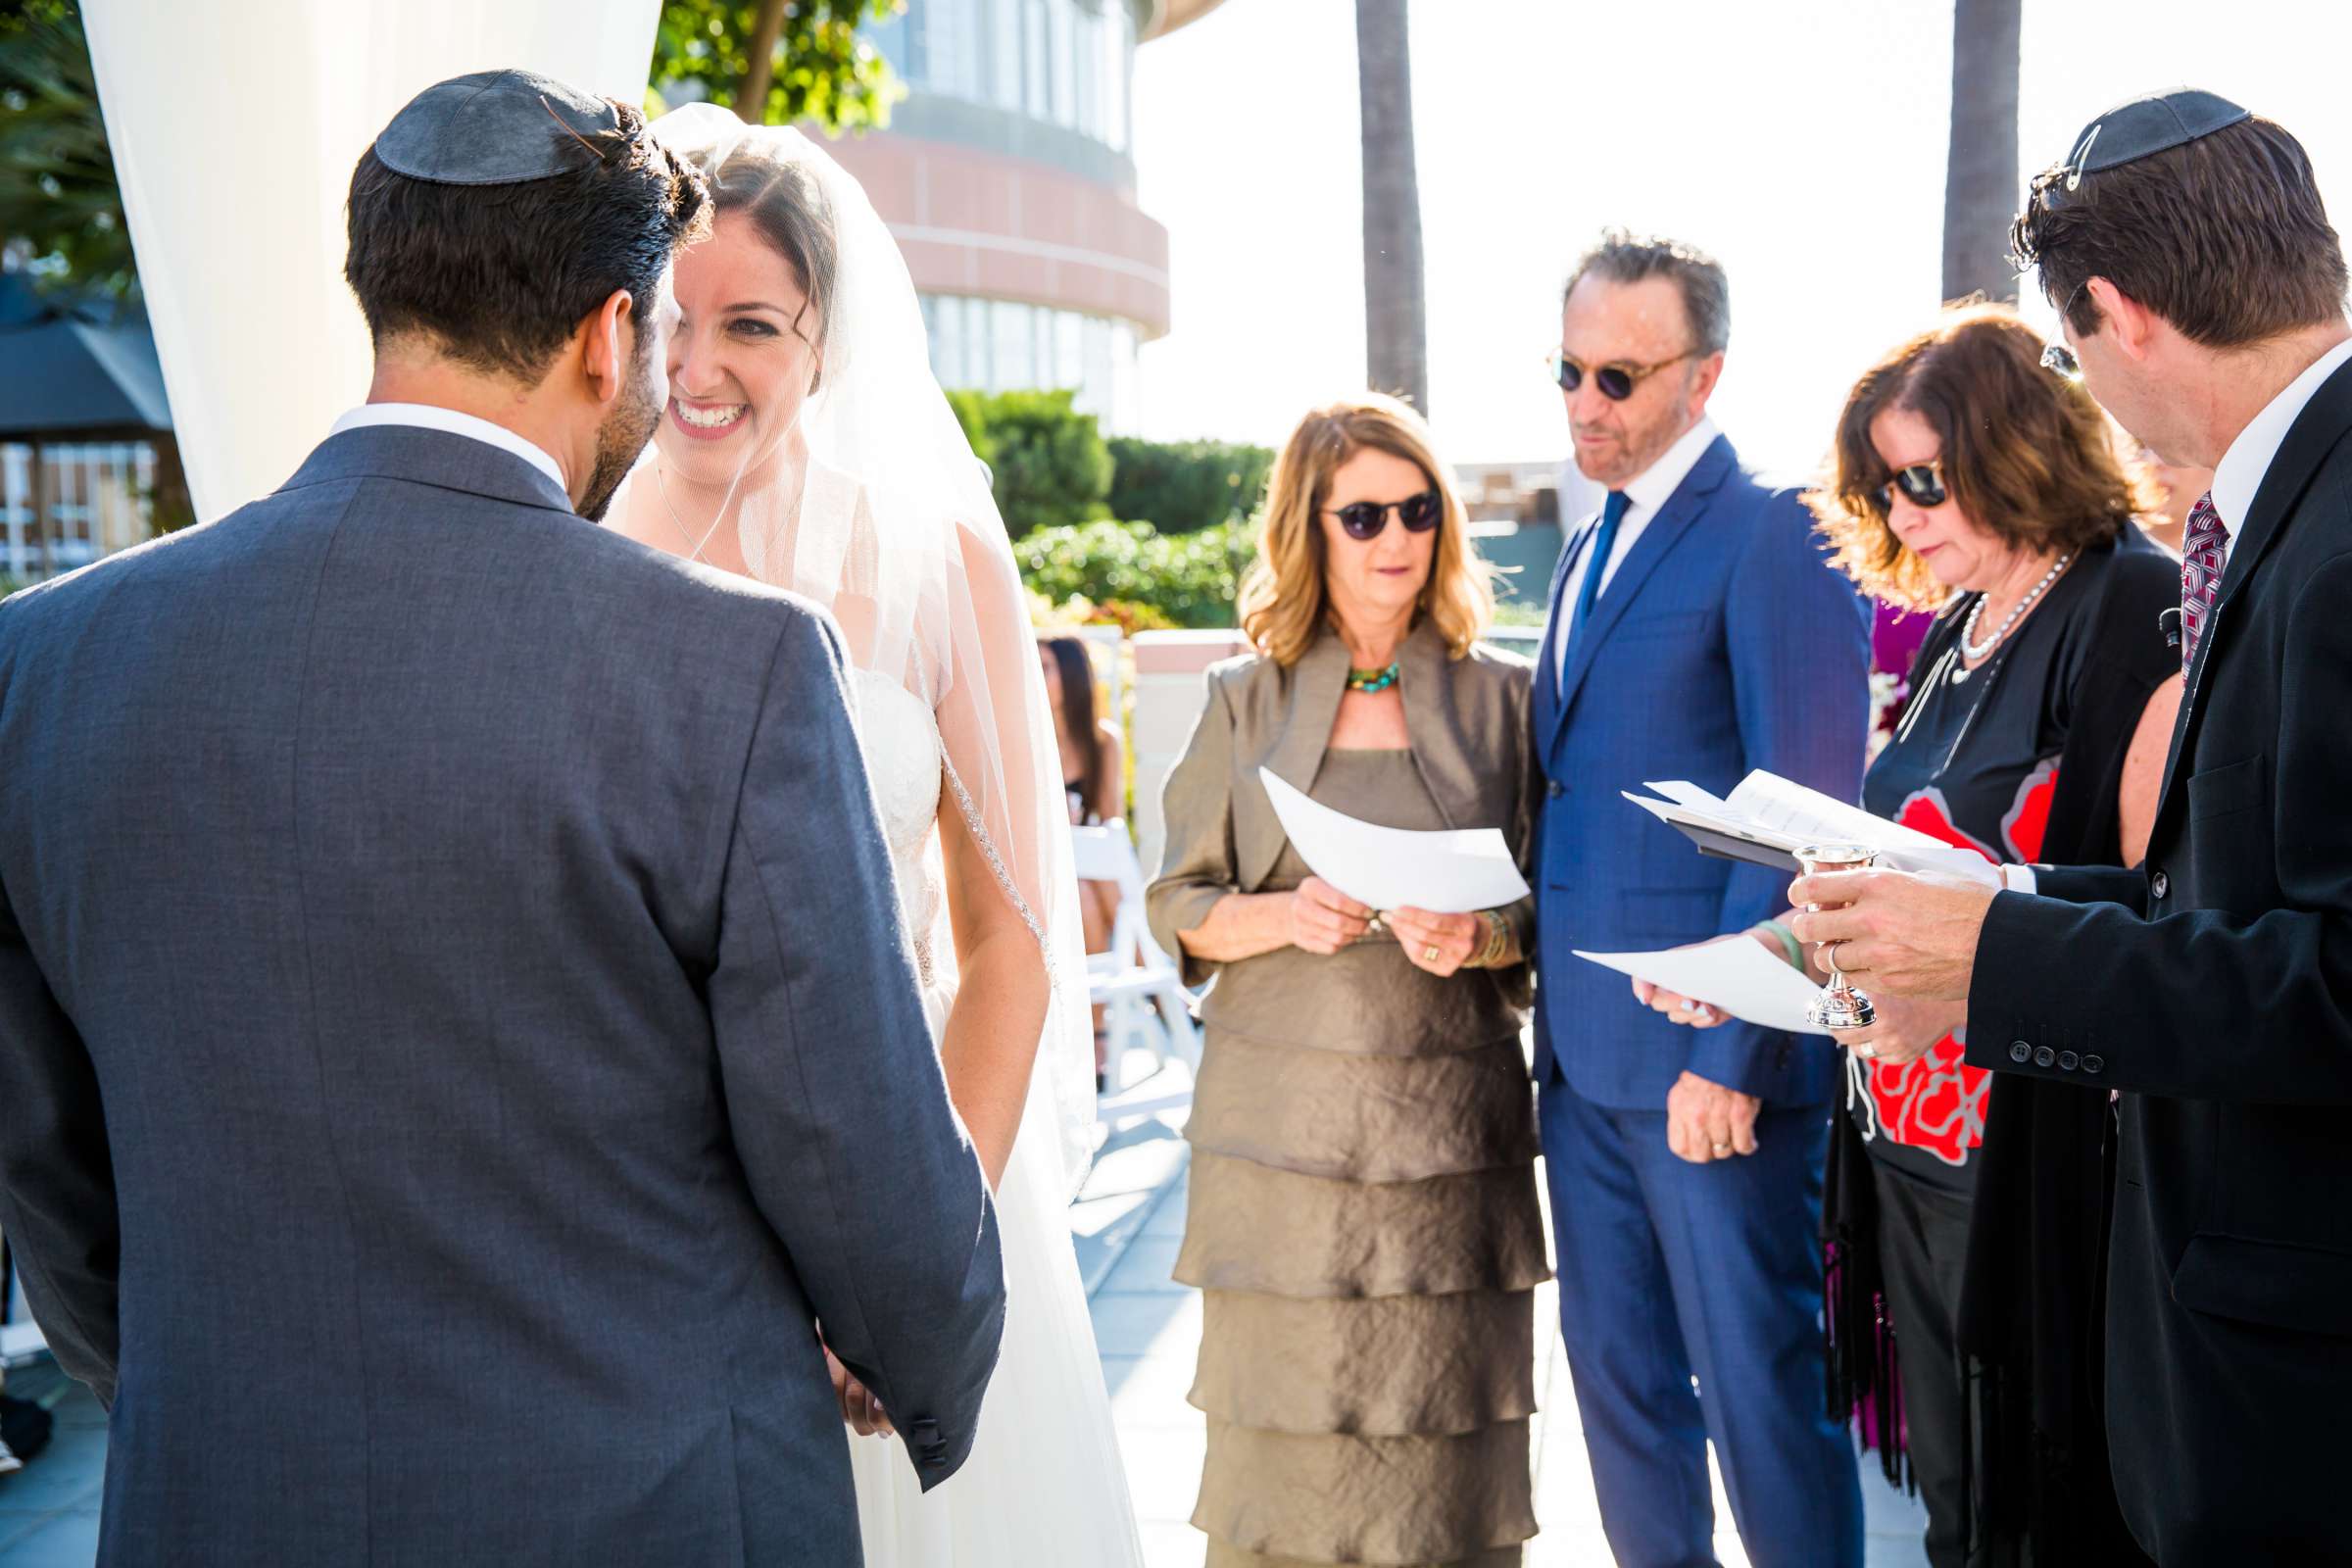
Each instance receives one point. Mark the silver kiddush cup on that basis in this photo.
(1838, 1006)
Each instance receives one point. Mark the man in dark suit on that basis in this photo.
(455, 1039)
(1696, 633)
(2202, 291)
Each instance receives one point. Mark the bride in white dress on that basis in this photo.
(806, 445)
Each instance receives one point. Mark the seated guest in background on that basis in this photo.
(2201, 290)
(1094, 773)
(1094, 757)
(1970, 479)
(1363, 1217)
(1696, 633)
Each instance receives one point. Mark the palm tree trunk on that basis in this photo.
(1980, 176)
(751, 99)
(1395, 318)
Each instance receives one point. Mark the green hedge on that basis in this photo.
(1191, 577)
(1184, 487)
(1047, 461)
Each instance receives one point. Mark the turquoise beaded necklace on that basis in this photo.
(1369, 681)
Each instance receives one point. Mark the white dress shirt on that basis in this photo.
(2237, 477)
(1644, 496)
(430, 417)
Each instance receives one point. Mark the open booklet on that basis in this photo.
(1767, 818)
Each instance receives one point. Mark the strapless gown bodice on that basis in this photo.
(901, 737)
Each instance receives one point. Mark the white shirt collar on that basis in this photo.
(430, 417)
(2237, 477)
(1656, 485)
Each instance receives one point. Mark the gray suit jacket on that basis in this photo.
(455, 1036)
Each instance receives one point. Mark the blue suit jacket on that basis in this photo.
(1724, 643)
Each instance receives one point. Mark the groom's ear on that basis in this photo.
(606, 339)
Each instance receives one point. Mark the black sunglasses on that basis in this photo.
(1364, 519)
(1922, 484)
(2058, 357)
(1616, 379)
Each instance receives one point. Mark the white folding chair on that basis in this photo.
(1133, 979)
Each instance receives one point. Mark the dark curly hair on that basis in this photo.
(2026, 454)
(497, 276)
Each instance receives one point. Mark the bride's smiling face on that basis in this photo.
(741, 363)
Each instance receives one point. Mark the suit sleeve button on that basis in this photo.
(2094, 1063)
(2020, 1052)
(2044, 1055)
(2068, 1061)
(2160, 887)
(1556, 791)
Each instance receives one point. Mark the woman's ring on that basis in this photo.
(1428, 954)
(1721, 1149)
(1867, 1050)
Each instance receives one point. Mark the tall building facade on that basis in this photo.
(1008, 180)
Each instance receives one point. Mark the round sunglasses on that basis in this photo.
(1922, 484)
(1364, 519)
(1615, 379)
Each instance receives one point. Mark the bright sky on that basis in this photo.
(1802, 142)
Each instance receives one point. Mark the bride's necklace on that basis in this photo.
(1972, 652)
(694, 546)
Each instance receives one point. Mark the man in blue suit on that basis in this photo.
(1697, 632)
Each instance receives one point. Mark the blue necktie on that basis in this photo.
(1596, 566)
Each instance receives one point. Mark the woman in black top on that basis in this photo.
(1970, 479)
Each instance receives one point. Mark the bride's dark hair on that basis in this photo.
(784, 203)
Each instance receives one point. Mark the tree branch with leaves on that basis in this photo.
(778, 62)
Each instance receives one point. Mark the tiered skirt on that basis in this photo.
(1364, 1226)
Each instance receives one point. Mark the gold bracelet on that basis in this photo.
(1499, 940)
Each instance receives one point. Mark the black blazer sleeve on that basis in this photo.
(2209, 1004)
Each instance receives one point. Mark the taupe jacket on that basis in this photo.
(1465, 719)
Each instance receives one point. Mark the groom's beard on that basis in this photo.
(621, 439)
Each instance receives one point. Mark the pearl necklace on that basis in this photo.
(1974, 652)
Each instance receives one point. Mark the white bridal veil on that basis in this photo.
(891, 523)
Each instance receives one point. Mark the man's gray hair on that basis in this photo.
(1623, 257)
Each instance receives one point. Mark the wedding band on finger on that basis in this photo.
(1428, 954)
(1867, 1050)
(1721, 1149)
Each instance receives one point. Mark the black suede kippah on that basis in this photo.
(2144, 127)
(498, 127)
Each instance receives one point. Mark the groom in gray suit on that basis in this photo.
(455, 1041)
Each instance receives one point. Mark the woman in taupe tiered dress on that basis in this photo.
(1363, 1220)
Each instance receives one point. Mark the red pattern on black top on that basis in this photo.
(1936, 1103)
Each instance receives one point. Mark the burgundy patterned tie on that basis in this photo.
(2201, 563)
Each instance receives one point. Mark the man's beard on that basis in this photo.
(620, 441)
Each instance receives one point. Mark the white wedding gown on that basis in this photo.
(1044, 1486)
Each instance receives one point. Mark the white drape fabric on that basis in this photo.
(234, 125)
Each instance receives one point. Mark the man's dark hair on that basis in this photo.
(499, 275)
(1623, 258)
(2224, 237)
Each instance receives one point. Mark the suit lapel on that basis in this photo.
(1317, 683)
(1439, 755)
(2315, 434)
(1548, 708)
(1675, 518)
